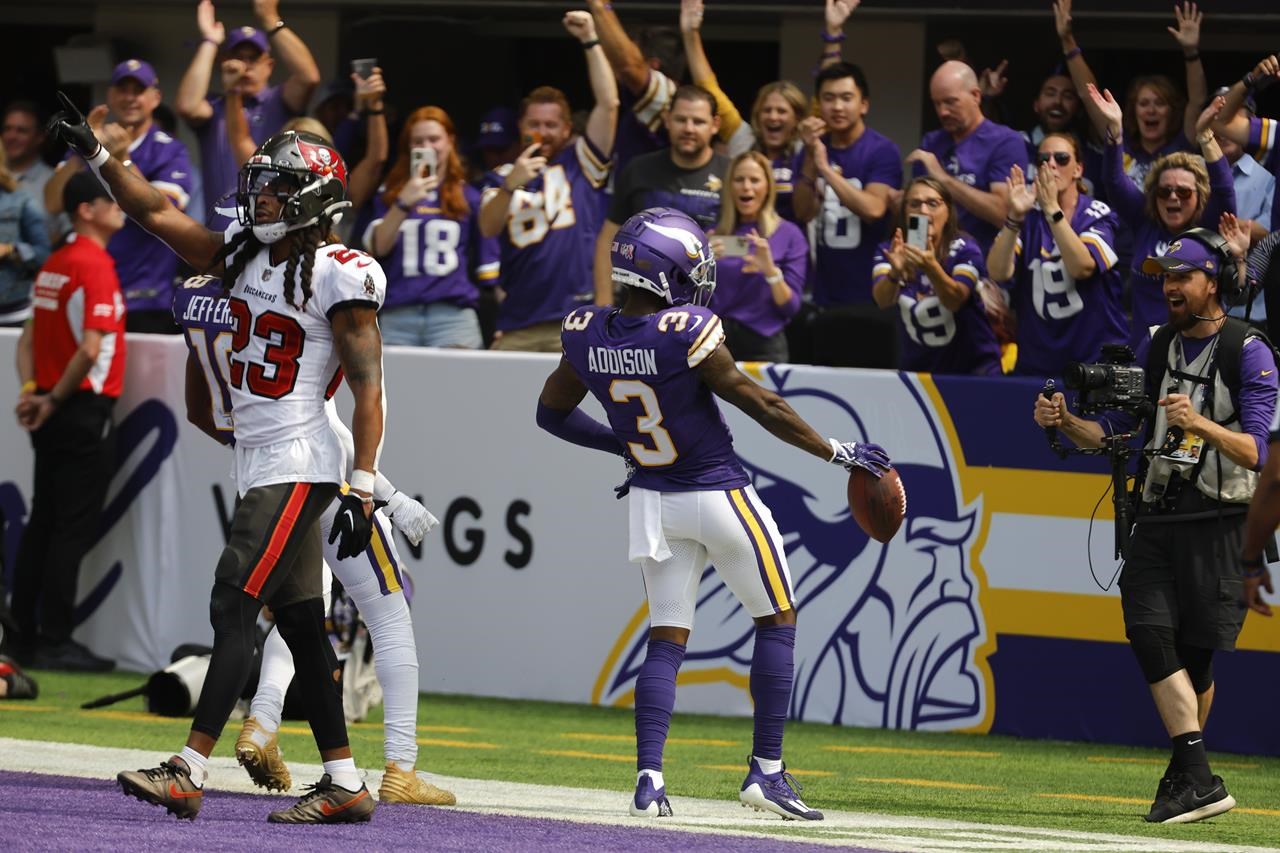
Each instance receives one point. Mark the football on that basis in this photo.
(877, 505)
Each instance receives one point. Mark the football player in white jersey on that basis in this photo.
(301, 305)
(373, 578)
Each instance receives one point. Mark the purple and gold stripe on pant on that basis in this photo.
(767, 558)
(382, 561)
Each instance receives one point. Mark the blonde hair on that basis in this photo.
(1177, 160)
(306, 124)
(795, 98)
(768, 220)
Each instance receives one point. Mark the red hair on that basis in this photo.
(452, 201)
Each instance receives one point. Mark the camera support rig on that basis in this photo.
(1118, 451)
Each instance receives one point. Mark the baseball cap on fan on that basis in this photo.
(241, 35)
(1183, 256)
(136, 69)
(497, 128)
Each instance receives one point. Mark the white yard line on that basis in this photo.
(584, 805)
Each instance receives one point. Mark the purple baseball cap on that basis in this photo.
(138, 70)
(252, 35)
(497, 128)
(1185, 254)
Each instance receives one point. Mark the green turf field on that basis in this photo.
(990, 779)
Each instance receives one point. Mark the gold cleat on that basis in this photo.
(265, 764)
(406, 786)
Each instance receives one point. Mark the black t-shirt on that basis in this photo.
(653, 180)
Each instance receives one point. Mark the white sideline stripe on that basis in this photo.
(589, 805)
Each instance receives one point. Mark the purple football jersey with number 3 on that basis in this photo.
(643, 370)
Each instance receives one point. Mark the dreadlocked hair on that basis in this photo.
(245, 240)
(302, 253)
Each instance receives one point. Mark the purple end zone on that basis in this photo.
(42, 812)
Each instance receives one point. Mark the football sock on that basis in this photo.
(342, 772)
(197, 763)
(395, 659)
(656, 775)
(1189, 757)
(655, 700)
(772, 671)
(405, 766)
(768, 766)
(273, 682)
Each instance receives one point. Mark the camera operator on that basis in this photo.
(1213, 380)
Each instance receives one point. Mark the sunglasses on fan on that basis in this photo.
(1183, 193)
(1062, 158)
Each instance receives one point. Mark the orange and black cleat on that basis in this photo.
(326, 802)
(168, 785)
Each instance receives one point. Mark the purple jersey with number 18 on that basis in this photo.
(644, 372)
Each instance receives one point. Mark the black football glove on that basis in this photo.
(355, 528)
(620, 492)
(69, 125)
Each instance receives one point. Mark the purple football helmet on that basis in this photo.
(663, 251)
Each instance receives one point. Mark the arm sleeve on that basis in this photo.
(880, 266)
(1127, 199)
(595, 164)
(1222, 193)
(967, 266)
(655, 100)
(1262, 138)
(1260, 257)
(1257, 403)
(577, 427)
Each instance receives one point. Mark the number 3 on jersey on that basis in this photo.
(278, 374)
(649, 424)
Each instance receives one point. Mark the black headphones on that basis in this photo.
(1230, 287)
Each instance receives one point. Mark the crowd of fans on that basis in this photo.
(985, 250)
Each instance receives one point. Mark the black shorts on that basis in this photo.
(1187, 575)
(273, 552)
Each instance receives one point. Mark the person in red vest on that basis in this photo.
(71, 362)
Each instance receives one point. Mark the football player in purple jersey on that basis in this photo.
(944, 326)
(848, 176)
(426, 232)
(1056, 247)
(1156, 119)
(656, 365)
(1180, 191)
(547, 206)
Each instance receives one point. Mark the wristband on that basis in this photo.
(361, 481)
(28, 387)
(830, 39)
(405, 208)
(776, 278)
(587, 45)
(1250, 81)
(1073, 53)
(1013, 225)
(379, 111)
(216, 44)
(1255, 573)
(1057, 216)
(1191, 57)
(99, 157)
(277, 28)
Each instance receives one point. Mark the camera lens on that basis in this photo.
(1084, 377)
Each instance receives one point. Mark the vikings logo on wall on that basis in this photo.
(888, 635)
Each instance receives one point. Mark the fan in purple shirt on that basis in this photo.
(427, 236)
(859, 168)
(757, 293)
(970, 154)
(944, 326)
(547, 206)
(1179, 192)
(1156, 119)
(1056, 247)
(267, 107)
(147, 267)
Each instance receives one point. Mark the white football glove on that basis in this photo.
(410, 517)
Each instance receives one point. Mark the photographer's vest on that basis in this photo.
(1209, 380)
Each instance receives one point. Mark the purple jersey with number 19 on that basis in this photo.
(643, 370)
